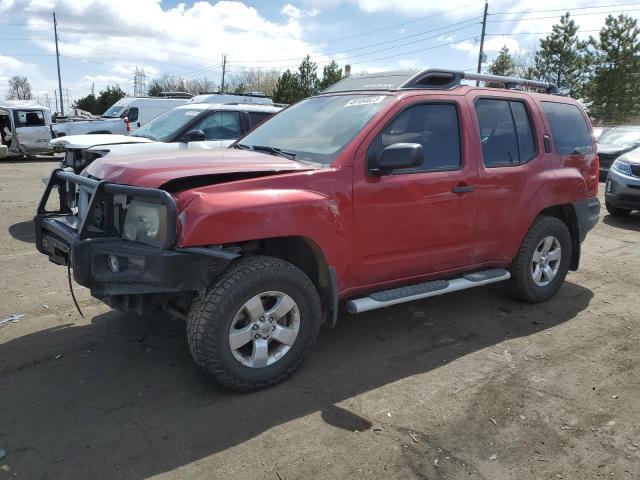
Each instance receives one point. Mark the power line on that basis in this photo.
(555, 16)
(565, 9)
(380, 43)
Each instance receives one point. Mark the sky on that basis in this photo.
(102, 42)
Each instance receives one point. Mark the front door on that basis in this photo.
(420, 221)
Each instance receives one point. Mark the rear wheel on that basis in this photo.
(256, 324)
(542, 262)
(616, 211)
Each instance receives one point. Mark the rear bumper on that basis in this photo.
(622, 191)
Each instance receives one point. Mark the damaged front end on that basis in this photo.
(120, 242)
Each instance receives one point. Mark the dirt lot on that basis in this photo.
(469, 385)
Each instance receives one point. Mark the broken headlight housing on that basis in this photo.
(145, 222)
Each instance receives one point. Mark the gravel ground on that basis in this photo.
(468, 385)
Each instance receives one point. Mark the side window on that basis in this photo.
(258, 117)
(29, 118)
(569, 129)
(220, 125)
(435, 127)
(505, 132)
(132, 114)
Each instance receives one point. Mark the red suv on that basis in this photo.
(383, 189)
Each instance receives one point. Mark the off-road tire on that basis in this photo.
(210, 317)
(616, 211)
(521, 285)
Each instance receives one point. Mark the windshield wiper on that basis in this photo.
(274, 151)
(242, 146)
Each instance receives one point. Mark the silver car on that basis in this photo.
(622, 190)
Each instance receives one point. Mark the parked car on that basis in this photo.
(385, 188)
(199, 126)
(126, 115)
(622, 191)
(25, 128)
(614, 142)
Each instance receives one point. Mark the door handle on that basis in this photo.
(463, 189)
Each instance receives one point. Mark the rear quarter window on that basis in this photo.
(569, 128)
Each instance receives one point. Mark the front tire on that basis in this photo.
(542, 262)
(616, 211)
(256, 323)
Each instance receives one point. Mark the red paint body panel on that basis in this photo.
(375, 230)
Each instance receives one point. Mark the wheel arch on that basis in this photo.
(566, 213)
(307, 255)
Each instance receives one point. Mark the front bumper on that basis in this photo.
(622, 191)
(110, 266)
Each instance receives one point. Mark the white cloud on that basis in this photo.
(314, 12)
(291, 11)
(493, 44)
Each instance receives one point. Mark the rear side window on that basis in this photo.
(569, 128)
(132, 114)
(435, 127)
(258, 117)
(505, 131)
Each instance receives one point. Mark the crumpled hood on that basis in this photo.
(155, 170)
(91, 140)
(609, 149)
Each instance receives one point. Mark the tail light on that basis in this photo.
(597, 169)
(127, 124)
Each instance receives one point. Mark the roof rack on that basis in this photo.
(434, 79)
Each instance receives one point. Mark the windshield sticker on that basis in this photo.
(191, 113)
(364, 101)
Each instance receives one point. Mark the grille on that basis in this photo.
(635, 169)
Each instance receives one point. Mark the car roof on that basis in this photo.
(244, 107)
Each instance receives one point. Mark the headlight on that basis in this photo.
(622, 166)
(145, 222)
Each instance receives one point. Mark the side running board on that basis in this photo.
(386, 298)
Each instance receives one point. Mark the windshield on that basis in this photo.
(164, 127)
(114, 111)
(620, 137)
(317, 129)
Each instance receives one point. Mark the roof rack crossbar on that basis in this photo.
(443, 79)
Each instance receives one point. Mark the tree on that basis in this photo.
(286, 90)
(307, 78)
(614, 91)
(99, 105)
(562, 58)
(19, 88)
(331, 74)
(504, 64)
(172, 83)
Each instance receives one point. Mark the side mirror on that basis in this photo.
(397, 157)
(193, 136)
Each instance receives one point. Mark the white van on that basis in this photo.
(139, 110)
(25, 128)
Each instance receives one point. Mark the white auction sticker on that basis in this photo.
(364, 101)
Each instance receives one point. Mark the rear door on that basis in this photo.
(510, 136)
(421, 221)
(33, 134)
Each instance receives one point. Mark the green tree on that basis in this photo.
(614, 91)
(307, 78)
(562, 58)
(88, 103)
(331, 74)
(286, 90)
(108, 97)
(504, 64)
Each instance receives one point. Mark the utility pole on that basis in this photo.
(484, 27)
(224, 67)
(55, 96)
(93, 88)
(55, 31)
